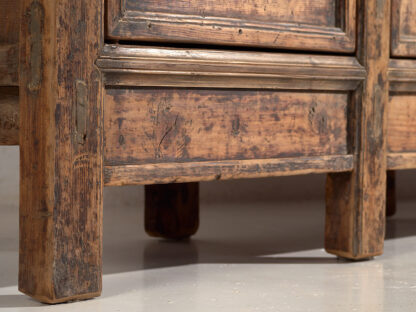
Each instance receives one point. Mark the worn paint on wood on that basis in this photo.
(181, 125)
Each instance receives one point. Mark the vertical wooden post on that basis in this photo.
(172, 210)
(61, 150)
(355, 217)
(391, 194)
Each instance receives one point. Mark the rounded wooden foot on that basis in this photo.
(172, 210)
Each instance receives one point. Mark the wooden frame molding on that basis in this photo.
(151, 66)
(124, 23)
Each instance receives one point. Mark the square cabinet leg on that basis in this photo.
(61, 147)
(356, 201)
(172, 210)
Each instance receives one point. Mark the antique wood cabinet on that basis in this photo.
(169, 93)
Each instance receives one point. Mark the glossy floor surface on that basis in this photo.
(249, 255)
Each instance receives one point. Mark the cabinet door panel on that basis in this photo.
(326, 25)
(153, 125)
(404, 28)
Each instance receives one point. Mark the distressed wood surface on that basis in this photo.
(324, 25)
(172, 210)
(9, 55)
(9, 21)
(9, 116)
(151, 66)
(403, 29)
(391, 207)
(180, 125)
(401, 123)
(402, 76)
(401, 161)
(355, 217)
(60, 176)
(224, 170)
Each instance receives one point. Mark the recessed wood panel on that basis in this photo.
(404, 28)
(401, 127)
(300, 24)
(182, 125)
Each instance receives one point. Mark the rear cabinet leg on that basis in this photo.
(172, 210)
(355, 215)
(61, 150)
(391, 194)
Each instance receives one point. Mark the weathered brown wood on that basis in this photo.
(401, 161)
(9, 116)
(401, 123)
(150, 66)
(155, 125)
(391, 194)
(224, 170)
(402, 76)
(9, 65)
(355, 218)
(324, 25)
(60, 177)
(172, 210)
(403, 30)
(9, 21)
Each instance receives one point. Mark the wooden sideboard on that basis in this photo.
(169, 93)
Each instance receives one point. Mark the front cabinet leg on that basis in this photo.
(172, 210)
(61, 150)
(355, 201)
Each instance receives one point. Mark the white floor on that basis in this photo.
(251, 254)
(246, 257)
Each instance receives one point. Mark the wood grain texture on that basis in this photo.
(355, 219)
(151, 66)
(391, 207)
(324, 25)
(402, 75)
(9, 56)
(172, 210)
(401, 123)
(403, 30)
(154, 125)
(9, 21)
(224, 170)
(9, 116)
(60, 178)
(401, 161)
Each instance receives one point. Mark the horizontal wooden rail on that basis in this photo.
(151, 66)
(401, 161)
(224, 170)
